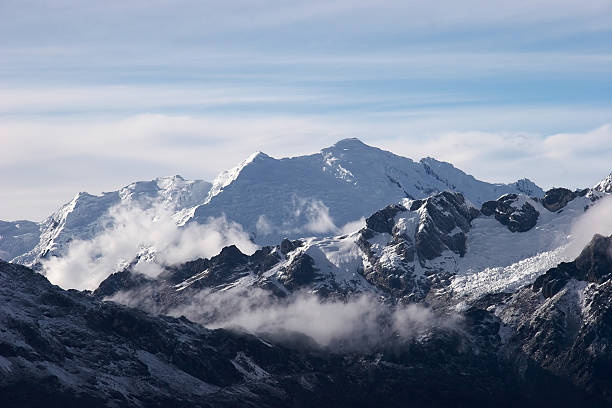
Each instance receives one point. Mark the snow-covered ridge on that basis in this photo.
(318, 195)
(86, 215)
(226, 177)
(605, 185)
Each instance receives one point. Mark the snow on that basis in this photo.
(605, 185)
(499, 260)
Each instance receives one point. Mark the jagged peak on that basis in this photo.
(605, 185)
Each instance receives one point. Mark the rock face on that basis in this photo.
(445, 220)
(517, 214)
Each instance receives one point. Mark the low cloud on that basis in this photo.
(149, 234)
(357, 322)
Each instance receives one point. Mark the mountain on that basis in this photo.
(87, 215)
(472, 294)
(318, 194)
(315, 195)
(64, 348)
(441, 247)
(502, 271)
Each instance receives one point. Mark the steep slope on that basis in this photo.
(87, 215)
(320, 193)
(400, 253)
(63, 348)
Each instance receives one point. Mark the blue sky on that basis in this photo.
(95, 95)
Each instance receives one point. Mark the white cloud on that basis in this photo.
(596, 220)
(150, 234)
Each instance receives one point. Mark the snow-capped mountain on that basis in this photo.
(87, 215)
(499, 270)
(605, 186)
(433, 248)
(318, 194)
(315, 195)
(452, 291)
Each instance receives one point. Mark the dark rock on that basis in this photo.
(557, 198)
(287, 245)
(507, 213)
(447, 220)
(383, 221)
(120, 281)
(300, 272)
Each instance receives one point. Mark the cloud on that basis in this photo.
(149, 234)
(596, 220)
(308, 216)
(357, 322)
(573, 160)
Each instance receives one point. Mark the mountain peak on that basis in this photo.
(350, 147)
(351, 142)
(605, 185)
(227, 177)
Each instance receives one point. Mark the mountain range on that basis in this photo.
(271, 199)
(375, 281)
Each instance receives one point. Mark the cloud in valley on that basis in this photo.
(357, 322)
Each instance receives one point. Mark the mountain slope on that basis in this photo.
(18, 237)
(320, 193)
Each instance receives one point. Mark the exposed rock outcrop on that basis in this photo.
(513, 211)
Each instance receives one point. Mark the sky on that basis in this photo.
(96, 95)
